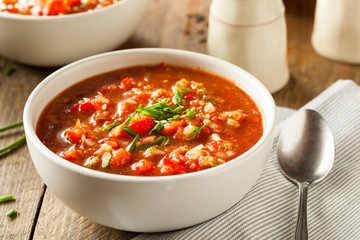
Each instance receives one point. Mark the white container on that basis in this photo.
(148, 204)
(336, 33)
(49, 41)
(252, 35)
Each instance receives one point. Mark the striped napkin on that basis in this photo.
(269, 210)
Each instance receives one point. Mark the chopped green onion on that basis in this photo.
(165, 142)
(176, 110)
(106, 158)
(9, 70)
(13, 145)
(190, 113)
(208, 100)
(129, 131)
(196, 130)
(216, 163)
(178, 97)
(7, 127)
(174, 118)
(11, 212)
(185, 89)
(110, 126)
(6, 198)
(132, 145)
(127, 121)
(159, 139)
(92, 161)
(159, 125)
(100, 119)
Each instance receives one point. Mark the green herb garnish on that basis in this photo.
(156, 129)
(132, 145)
(178, 97)
(190, 113)
(106, 158)
(92, 161)
(129, 131)
(208, 100)
(110, 126)
(13, 145)
(164, 141)
(196, 130)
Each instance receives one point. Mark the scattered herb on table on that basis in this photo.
(17, 142)
(9, 70)
(11, 212)
(6, 198)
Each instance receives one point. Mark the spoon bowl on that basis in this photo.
(306, 153)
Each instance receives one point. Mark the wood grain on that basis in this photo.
(169, 24)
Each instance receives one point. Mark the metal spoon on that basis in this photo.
(306, 153)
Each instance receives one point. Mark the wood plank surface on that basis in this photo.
(169, 24)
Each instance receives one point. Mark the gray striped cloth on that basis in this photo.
(269, 210)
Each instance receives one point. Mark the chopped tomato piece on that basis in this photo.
(71, 154)
(127, 83)
(11, 2)
(54, 7)
(214, 146)
(141, 96)
(115, 145)
(83, 106)
(189, 97)
(121, 158)
(142, 167)
(142, 124)
(172, 127)
(99, 101)
(72, 3)
(75, 134)
(171, 168)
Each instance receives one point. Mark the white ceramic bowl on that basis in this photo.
(59, 40)
(148, 204)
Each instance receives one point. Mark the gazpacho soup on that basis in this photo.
(151, 121)
(52, 7)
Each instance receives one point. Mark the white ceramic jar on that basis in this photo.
(336, 33)
(251, 34)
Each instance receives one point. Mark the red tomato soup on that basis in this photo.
(52, 7)
(151, 121)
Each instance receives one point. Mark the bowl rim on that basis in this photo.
(22, 17)
(32, 137)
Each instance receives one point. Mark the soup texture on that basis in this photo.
(151, 121)
(52, 7)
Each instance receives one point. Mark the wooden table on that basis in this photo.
(170, 24)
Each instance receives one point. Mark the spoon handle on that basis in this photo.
(301, 231)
